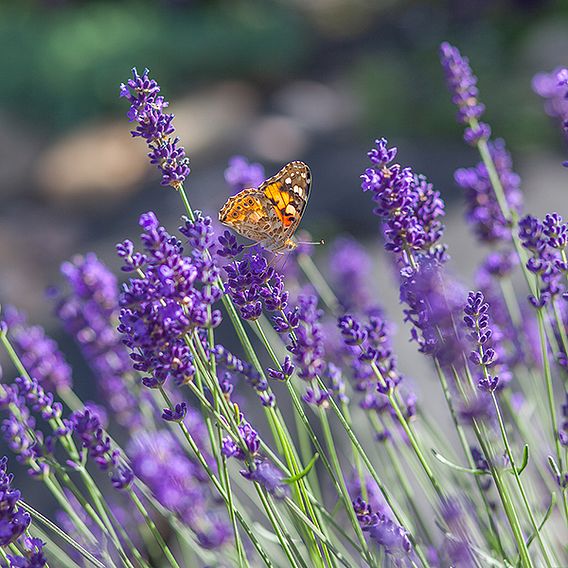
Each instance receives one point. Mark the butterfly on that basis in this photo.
(271, 214)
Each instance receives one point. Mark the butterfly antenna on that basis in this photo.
(322, 242)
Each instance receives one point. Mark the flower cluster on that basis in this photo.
(462, 84)
(13, 519)
(482, 209)
(89, 313)
(432, 300)
(308, 349)
(253, 284)
(156, 127)
(383, 531)
(39, 354)
(483, 356)
(407, 203)
(173, 296)
(546, 241)
(87, 427)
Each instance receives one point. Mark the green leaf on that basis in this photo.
(304, 472)
(545, 518)
(525, 461)
(447, 462)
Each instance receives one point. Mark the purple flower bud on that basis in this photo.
(177, 414)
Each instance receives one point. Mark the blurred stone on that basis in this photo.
(278, 139)
(98, 160)
(317, 106)
(214, 116)
(18, 150)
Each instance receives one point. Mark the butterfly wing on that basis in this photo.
(287, 194)
(247, 214)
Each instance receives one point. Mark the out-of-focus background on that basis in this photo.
(276, 80)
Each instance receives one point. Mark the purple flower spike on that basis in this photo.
(40, 354)
(88, 429)
(407, 203)
(546, 242)
(88, 312)
(156, 127)
(383, 531)
(482, 209)
(484, 355)
(13, 519)
(307, 346)
(462, 84)
(553, 87)
(175, 296)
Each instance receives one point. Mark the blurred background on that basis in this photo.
(276, 80)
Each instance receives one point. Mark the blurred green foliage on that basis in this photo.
(58, 63)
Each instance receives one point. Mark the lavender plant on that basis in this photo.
(256, 416)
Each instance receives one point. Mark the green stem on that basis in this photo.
(61, 534)
(520, 486)
(344, 492)
(153, 529)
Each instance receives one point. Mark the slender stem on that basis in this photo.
(344, 492)
(60, 533)
(524, 497)
(153, 529)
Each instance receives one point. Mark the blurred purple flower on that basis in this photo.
(482, 209)
(156, 127)
(433, 301)
(39, 354)
(462, 84)
(383, 531)
(179, 484)
(350, 271)
(241, 174)
(267, 475)
(89, 313)
(553, 87)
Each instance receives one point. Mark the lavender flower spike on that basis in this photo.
(156, 127)
(462, 83)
